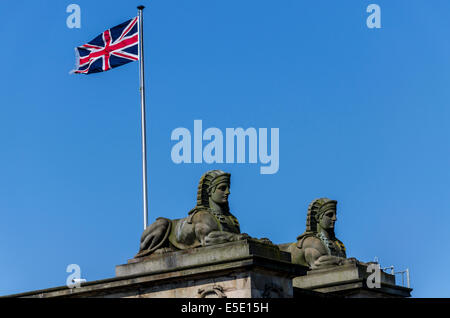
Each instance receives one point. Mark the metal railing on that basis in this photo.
(403, 273)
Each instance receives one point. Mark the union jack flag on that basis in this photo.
(112, 48)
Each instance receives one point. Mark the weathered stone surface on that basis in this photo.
(220, 253)
(349, 280)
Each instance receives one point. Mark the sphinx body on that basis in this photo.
(318, 246)
(209, 223)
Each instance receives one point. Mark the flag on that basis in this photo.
(114, 47)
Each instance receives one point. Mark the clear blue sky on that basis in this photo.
(363, 117)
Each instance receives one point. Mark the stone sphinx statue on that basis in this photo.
(209, 223)
(318, 246)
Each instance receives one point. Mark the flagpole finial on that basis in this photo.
(141, 7)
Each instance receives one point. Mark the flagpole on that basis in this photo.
(142, 91)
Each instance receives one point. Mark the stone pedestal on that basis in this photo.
(350, 280)
(245, 269)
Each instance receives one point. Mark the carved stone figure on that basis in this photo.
(318, 246)
(210, 222)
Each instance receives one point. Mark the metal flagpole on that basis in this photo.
(142, 90)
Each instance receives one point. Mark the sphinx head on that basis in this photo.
(321, 215)
(214, 188)
(220, 191)
(326, 217)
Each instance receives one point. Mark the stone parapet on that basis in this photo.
(242, 269)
